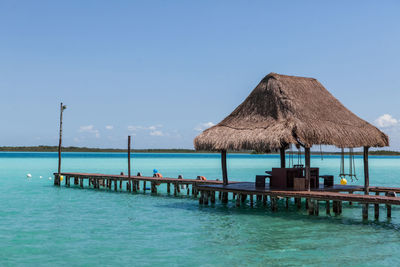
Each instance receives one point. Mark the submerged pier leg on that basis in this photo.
(287, 203)
(224, 197)
(376, 208)
(201, 197)
(212, 197)
(316, 207)
(176, 189)
(251, 201)
(310, 205)
(188, 191)
(298, 202)
(144, 186)
(219, 195)
(81, 182)
(168, 188)
(328, 207)
(115, 184)
(237, 200)
(350, 203)
(264, 200)
(365, 211)
(274, 203)
(76, 181)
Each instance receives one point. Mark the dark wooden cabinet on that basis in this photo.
(284, 177)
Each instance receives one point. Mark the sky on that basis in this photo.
(163, 71)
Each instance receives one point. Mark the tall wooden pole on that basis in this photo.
(224, 169)
(308, 165)
(129, 156)
(366, 171)
(283, 160)
(57, 180)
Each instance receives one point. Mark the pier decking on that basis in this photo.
(245, 191)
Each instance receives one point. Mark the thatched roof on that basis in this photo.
(284, 110)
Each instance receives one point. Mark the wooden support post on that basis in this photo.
(219, 195)
(206, 196)
(389, 207)
(212, 197)
(57, 180)
(76, 181)
(129, 156)
(251, 201)
(168, 188)
(287, 203)
(365, 211)
(259, 197)
(307, 202)
(264, 200)
(201, 197)
(81, 182)
(340, 207)
(366, 171)
(274, 203)
(350, 203)
(310, 206)
(66, 180)
(298, 200)
(328, 207)
(316, 207)
(115, 184)
(238, 201)
(335, 207)
(389, 211)
(144, 186)
(376, 208)
(176, 189)
(233, 195)
(308, 165)
(283, 159)
(188, 191)
(243, 197)
(224, 197)
(120, 184)
(224, 167)
(137, 183)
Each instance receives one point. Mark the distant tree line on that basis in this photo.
(175, 150)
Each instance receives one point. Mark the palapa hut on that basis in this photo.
(284, 110)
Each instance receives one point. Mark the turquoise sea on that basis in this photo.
(43, 225)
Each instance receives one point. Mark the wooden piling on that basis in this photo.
(316, 207)
(251, 201)
(168, 188)
(365, 211)
(224, 197)
(81, 182)
(287, 203)
(237, 201)
(212, 197)
(376, 208)
(328, 207)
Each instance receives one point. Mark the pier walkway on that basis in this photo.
(243, 192)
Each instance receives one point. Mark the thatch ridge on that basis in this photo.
(284, 110)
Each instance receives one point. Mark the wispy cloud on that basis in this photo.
(386, 120)
(202, 126)
(153, 130)
(109, 127)
(156, 133)
(89, 129)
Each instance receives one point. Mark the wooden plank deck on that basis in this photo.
(138, 178)
(250, 189)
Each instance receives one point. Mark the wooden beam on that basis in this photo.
(366, 171)
(57, 180)
(129, 156)
(283, 160)
(224, 168)
(308, 163)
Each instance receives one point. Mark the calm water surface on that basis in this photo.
(44, 225)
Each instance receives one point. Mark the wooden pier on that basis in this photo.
(209, 191)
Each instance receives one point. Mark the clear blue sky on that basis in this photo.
(161, 70)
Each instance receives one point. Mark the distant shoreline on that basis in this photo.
(177, 150)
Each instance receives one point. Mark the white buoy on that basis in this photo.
(29, 175)
(49, 178)
(40, 177)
